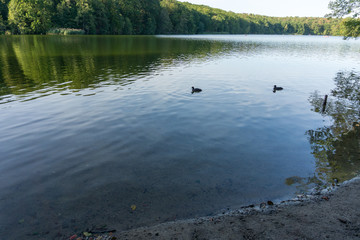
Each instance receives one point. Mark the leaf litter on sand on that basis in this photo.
(101, 233)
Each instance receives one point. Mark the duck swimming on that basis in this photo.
(195, 90)
(277, 88)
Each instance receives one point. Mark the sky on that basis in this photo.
(274, 8)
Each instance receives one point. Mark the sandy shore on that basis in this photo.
(331, 215)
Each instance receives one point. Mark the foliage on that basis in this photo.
(85, 17)
(66, 13)
(30, 16)
(148, 17)
(190, 18)
(2, 26)
(351, 28)
(344, 8)
(4, 9)
(341, 8)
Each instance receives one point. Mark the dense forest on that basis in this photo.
(147, 17)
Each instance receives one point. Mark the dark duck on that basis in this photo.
(277, 88)
(194, 90)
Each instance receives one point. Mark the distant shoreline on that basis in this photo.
(150, 17)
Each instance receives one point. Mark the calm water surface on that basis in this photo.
(93, 125)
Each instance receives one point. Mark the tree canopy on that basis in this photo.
(147, 17)
(341, 8)
(349, 9)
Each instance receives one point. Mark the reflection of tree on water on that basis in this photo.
(336, 148)
(47, 64)
(36, 65)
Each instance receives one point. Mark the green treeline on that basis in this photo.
(191, 19)
(146, 17)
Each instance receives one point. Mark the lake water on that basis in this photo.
(92, 126)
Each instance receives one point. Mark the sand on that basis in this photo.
(322, 215)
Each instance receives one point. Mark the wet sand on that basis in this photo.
(322, 215)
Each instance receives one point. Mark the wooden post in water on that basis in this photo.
(325, 102)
